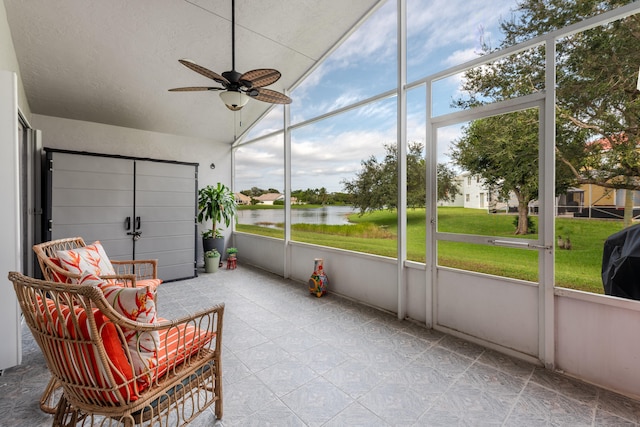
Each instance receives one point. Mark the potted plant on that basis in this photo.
(232, 253)
(217, 204)
(211, 261)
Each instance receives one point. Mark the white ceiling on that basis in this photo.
(113, 61)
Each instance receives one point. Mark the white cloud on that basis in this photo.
(440, 23)
(443, 33)
(374, 39)
(319, 161)
(459, 57)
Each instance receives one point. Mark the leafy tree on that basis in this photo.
(375, 186)
(317, 196)
(596, 89)
(506, 160)
(341, 198)
(253, 192)
(447, 185)
(322, 195)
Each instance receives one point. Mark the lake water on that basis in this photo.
(330, 215)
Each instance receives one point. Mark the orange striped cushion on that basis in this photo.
(177, 345)
(78, 360)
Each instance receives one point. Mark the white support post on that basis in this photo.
(402, 157)
(287, 191)
(547, 175)
(431, 217)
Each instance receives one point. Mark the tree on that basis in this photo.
(375, 186)
(596, 88)
(448, 187)
(506, 160)
(322, 195)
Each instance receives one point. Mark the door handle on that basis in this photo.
(127, 223)
(137, 223)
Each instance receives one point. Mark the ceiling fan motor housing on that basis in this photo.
(234, 77)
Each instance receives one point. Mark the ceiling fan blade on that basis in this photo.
(268, 95)
(194, 88)
(260, 77)
(204, 71)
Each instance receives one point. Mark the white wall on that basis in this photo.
(370, 279)
(12, 97)
(495, 310)
(597, 339)
(9, 61)
(264, 252)
(10, 349)
(417, 291)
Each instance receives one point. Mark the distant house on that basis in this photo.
(269, 198)
(595, 200)
(242, 199)
(476, 195)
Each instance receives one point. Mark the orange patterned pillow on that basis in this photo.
(91, 258)
(136, 304)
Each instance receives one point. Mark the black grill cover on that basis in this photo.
(621, 264)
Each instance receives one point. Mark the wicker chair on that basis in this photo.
(81, 336)
(131, 273)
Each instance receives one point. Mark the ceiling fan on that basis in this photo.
(238, 88)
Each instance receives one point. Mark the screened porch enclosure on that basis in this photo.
(585, 335)
(521, 307)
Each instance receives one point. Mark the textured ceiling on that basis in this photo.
(112, 61)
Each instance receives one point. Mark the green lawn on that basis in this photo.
(376, 233)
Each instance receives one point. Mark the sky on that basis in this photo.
(441, 34)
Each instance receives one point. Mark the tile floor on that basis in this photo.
(291, 359)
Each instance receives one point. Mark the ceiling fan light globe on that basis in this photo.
(234, 100)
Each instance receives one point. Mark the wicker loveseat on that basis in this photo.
(90, 349)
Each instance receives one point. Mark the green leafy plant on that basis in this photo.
(213, 253)
(232, 251)
(210, 234)
(217, 204)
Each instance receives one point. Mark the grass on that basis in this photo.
(376, 233)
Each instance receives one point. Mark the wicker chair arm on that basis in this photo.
(128, 280)
(141, 268)
(163, 324)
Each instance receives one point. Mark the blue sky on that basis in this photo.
(442, 33)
